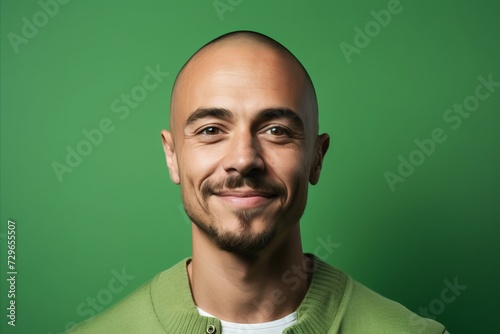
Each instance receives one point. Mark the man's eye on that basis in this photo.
(277, 131)
(210, 131)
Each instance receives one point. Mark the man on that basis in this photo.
(244, 145)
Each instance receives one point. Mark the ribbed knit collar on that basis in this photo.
(320, 310)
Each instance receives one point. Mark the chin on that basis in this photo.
(246, 237)
(243, 244)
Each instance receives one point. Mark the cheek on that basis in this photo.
(293, 161)
(196, 164)
(291, 167)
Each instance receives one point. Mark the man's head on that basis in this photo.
(243, 141)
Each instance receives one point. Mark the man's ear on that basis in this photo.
(170, 156)
(322, 144)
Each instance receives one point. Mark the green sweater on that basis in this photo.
(334, 304)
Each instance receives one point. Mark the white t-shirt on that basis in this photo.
(271, 327)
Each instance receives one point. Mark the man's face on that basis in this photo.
(243, 145)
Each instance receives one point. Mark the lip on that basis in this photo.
(245, 199)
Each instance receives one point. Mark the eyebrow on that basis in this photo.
(200, 113)
(280, 113)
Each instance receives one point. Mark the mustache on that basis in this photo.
(256, 183)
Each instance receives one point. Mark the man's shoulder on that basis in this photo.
(131, 312)
(136, 313)
(367, 311)
(350, 307)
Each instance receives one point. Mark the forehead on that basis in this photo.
(241, 78)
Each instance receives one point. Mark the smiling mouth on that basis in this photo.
(245, 198)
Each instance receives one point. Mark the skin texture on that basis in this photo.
(244, 147)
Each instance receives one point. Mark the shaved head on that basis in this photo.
(254, 40)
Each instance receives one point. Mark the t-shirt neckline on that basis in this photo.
(286, 320)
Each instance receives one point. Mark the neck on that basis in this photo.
(243, 289)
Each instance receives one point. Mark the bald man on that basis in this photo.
(244, 146)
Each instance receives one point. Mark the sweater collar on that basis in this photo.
(176, 310)
(322, 308)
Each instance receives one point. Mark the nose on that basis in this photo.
(243, 156)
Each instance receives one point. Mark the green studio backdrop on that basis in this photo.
(408, 200)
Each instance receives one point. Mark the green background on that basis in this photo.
(118, 208)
